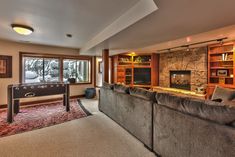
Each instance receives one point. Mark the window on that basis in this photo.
(38, 69)
(55, 68)
(77, 70)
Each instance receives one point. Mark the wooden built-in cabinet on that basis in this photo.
(136, 70)
(221, 66)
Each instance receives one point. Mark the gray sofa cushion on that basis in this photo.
(229, 103)
(207, 109)
(223, 93)
(142, 93)
(121, 88)
(181, 135)
(215, 111)
(169, 100)
(107, 85)
(135, 115)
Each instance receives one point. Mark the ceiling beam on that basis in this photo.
(134, 14)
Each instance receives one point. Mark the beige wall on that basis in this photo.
(13, 49)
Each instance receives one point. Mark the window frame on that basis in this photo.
(61, 59)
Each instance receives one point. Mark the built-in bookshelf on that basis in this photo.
(136, 69)
(221, 66)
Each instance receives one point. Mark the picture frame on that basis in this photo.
(5, 66)
(222, 73)
(100, 69)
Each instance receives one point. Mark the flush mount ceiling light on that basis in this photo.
(22, 29)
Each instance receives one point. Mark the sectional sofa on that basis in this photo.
(131, 111)
(170, 125)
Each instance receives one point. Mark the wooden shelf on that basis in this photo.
(219, 53)
(221, 77)
(145, 86)
(222, 85)
(212, 61)
(125, 62)
(221, 67)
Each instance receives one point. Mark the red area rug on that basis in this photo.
(39, 116)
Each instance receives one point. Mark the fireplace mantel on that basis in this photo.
(180, 92)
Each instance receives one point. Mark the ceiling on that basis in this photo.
(53, 19)
(99, 24)
(172, 23)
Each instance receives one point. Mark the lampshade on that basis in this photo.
(21, 29)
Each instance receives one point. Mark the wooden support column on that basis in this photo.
(112, 69)
(105, 60)
(155, 70)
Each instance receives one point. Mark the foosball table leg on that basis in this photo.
(16, 106)
(67, 96)
(64, 99)
(67, 104)
(9, 106)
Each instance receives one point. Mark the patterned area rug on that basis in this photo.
(40, 116)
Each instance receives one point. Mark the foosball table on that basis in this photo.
(20, 91)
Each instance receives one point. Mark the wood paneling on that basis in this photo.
(155, 70)
(105, 60)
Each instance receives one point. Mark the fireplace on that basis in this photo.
(180, 79)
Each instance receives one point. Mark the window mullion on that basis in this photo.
(43, 69)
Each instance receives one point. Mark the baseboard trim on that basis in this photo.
(4, 106)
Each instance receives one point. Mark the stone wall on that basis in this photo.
(194, 60)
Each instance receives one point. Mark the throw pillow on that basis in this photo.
(225, 94)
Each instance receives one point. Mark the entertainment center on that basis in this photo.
(140, 70)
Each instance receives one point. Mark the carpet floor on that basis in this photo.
(40, 116)
(92, 136)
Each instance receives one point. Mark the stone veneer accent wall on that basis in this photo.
(194, 60)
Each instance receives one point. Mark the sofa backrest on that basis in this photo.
(107, 85)
(142, 93)
(121, 88)
(206, 109)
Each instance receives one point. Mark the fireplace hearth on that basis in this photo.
(180, 79)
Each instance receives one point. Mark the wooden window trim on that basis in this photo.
(56, 56)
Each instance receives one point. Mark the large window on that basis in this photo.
(76, 69)
(36, 68)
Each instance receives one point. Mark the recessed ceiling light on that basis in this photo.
(22, 29)
(69, 35)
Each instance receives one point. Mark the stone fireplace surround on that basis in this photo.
(194, 60)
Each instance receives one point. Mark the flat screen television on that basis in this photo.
(142, 76)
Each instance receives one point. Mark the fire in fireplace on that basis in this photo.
(180, 79)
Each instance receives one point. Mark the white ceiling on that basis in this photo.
(88, 19)
(174, 21)
(53, 19)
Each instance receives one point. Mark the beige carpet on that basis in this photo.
(93, 136)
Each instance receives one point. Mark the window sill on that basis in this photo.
(84, 83)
